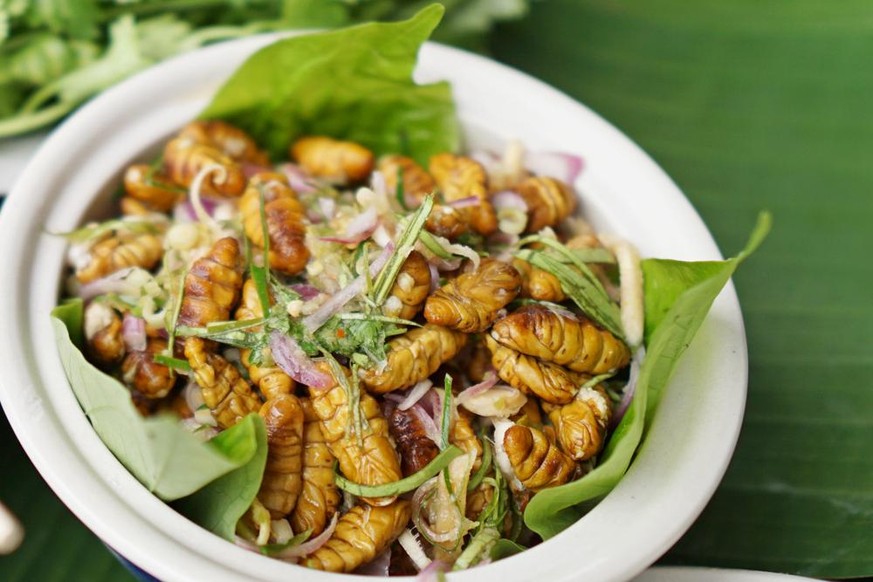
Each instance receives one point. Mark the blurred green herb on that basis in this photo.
(55, 54)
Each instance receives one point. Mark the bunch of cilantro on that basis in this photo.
(55, 54)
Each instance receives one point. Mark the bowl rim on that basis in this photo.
(92, 483)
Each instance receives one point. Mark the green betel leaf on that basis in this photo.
(679, 306)
(353, 84)
(170, 461)
(220, 504)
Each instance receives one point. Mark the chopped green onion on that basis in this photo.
(446, 421)
(433, 245)
(477, 478)
(405, 243)
(273, 549)
(171, 362)
(478, 546)
(404, 485)
(87, 233)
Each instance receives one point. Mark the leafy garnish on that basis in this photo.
(354, 83)
(219, 505)
(414, 481)
(484, 467)
(273, 549)
(405, 244)
(94, 231)
(678, 306)
(161, 454)
(171, 362)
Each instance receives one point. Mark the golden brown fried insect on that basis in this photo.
(414, 356)
(212, 285)
(283, 474)
(227, 394)
(140, 371)
(529, 415)
(416, 449)
(549, 201)
(470, 302)
(538, 284)
(417, 183)
(184, 158)
(342, 162)
(360, 535)
(147, 187)
(320, 497)
(228, 139)
(561, 338)
(460, 177)
(271, 380)
(103, 336)
(550, 382)
(464, 436)
(411, 286)
(581, 425)
(480, 360)
(536, 460)
(125, 249)
(368, 458)
(284, 217)
(446, 222)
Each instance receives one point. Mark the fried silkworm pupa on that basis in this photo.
(470, 302)
(283, 474)
(320, 497)
(415, 180)
(549, 201)
(580, 426)
(414, 356)
(228, 139)
(460, 177)
(212, 285)
(550, 382)
(341, 162)
(149, 188)
(537, 283)
(529, 415)
(536, 460)
(284, 218)
(361, 534)
(561, 338)
(410, 288)
(227, 394)
(140, 371)
(369, 457)
(271, 380)
(123, 250)
(416, 449)
(184, 158)
(103, 337)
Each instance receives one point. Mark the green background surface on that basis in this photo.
(747, 105)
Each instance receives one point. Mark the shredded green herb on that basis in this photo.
(414, 481)
(274, 549)
(405, 244)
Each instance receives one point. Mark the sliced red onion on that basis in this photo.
(310, 546)
(133, 332)
(300, 181)
(306, 291)
(293, 360)
(246, 544)
(378, 566)
(488, 382)
(560, 165)
(508, 199)
(327, 206)
(431, 429)
(434, 277)
(415, 394)
(443, 264)
(358, 229)
(333, 305)
(185, 211)
(629, 390)
(465, 202)
(433, 571)
(112, 283)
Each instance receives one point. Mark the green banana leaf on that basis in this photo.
(750, 105)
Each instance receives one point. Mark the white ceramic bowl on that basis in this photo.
(623, 191)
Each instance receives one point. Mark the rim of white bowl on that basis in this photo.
(637, 522)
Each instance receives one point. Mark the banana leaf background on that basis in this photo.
(747, 105)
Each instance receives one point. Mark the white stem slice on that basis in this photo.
(631, 274)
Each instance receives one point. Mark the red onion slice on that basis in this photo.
(415, 394)
(306, 291)
(508, 199)
(629, 390)
(488, 382)
(333, 305)
(432, 571)
(112, 283)
(358, 229)
(465, 202)
(293, 360)
(431, 430)
(300, 181)
(133, 332)
(310, 546)
(378, 566)
(560, 165)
